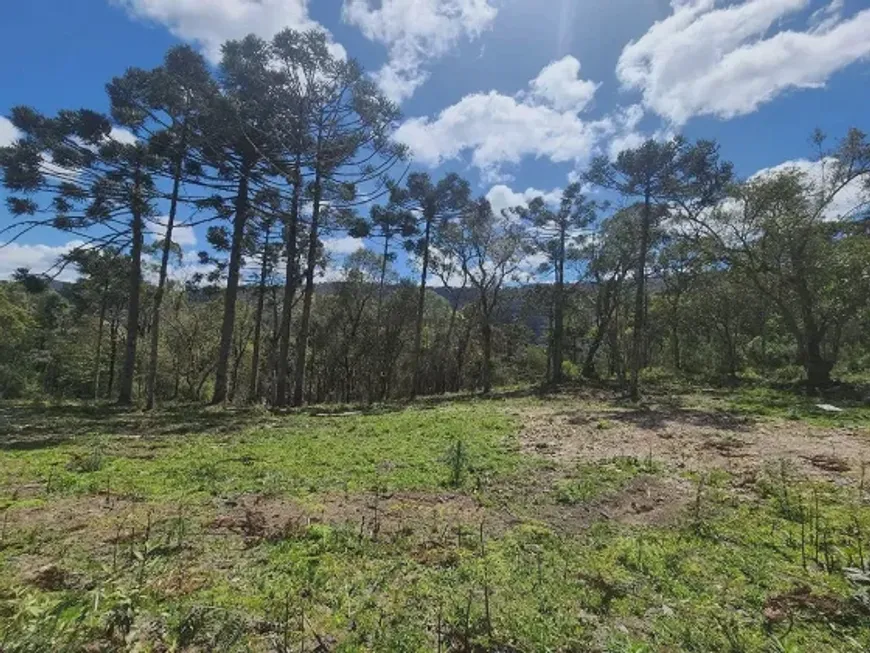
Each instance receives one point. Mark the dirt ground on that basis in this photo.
(694, 440)
(390, 514)
(670, 438)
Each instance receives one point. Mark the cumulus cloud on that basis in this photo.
(122, 136)
(559, 86)
(502, 197)
(531, 266)
(726, 61)
(182, 271)
(343, 246)
(627, 136)
(826, 17)
(499, 129)
(8, 133)
(181, 235)
(38, 259)
(210, 23)
(818, 175)
(415, 32)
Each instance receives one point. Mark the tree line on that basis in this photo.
(658, 262)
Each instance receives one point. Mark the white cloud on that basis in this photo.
(826, 17)
(416, 32)
(122, 136)
(183, 270)
(181, 235)
(530, 267)
(818, 175)
(49, 168)
(38, 258)
(502, 197)
(727, 61)
(210, 23)
(499, 129)
(627, 135)
(8, 133)
(343, 246)
(52, 169)
(559, 86)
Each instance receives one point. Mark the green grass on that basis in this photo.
(588, 481)
(299, 455)
(744, 568)
(760, 401)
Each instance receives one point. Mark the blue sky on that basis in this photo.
(513, 94)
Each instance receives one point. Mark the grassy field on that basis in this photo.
(703, 521)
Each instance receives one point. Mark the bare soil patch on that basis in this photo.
(693, 440)
(645, 501)
(802, 600)
(93, 519)
(425, 515)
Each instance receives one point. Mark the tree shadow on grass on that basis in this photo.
(662, 417)
(35, 426)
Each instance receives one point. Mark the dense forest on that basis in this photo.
(659, 263)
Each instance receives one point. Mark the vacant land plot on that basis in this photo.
(577, 522)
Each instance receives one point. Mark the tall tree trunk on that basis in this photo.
(617, 367)
(486, 337)
(461, 351)
(382, 353)
(98, 359)
(254, 388)
(601, 330)
(305, 321)
(606, 307)
(589, 371)
(451, 328)
(640, 301)
(291, 235)
(238, 354)
(731, 348)
(550, 330)
(232, 292)
(559, 311)
(421, 304)
(151, 384)
(817, 368)
(113, 354)
(125, 394)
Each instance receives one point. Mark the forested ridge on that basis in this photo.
(660, 263)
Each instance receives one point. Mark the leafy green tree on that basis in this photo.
(103, 284)
(389, 224)
(350, 133)
(239, 148)
(801, 250)
(489, 250)
(163, 106)
(433, 204)
(101, 189)
(264, 244)
(674, 176)
(608, 257)
(558, 235)
(679, 265)
(33, 283)
(16, 325)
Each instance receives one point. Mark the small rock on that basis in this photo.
(828, 408)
